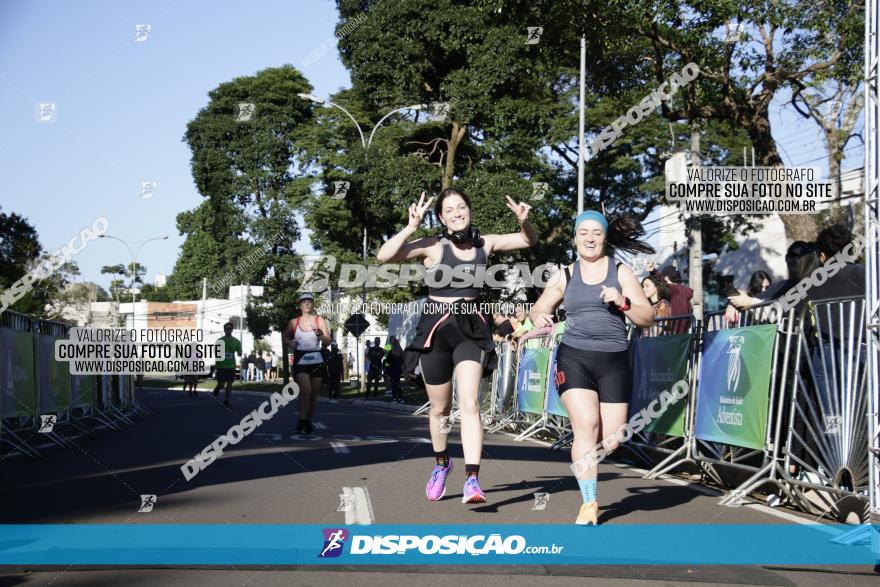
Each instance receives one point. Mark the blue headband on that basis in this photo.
(590, 215)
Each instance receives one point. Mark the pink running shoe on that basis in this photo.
(472, 491)
(436, 487)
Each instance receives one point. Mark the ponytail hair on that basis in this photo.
(623, 233)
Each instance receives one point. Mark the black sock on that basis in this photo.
(472, 470)
(442, 458)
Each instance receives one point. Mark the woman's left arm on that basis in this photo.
(639, 311)
(325, 332)
(526, 237)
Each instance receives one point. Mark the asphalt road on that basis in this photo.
(380, 457)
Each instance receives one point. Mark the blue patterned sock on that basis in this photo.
(588, 489)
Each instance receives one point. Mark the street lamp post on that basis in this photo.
(366, 145)
(134, 265)
(135, 404)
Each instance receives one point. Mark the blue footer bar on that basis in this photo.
(120, 544)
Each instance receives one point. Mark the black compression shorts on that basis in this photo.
(608, 374)
(449, 347)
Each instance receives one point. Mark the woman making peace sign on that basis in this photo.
(451, 339)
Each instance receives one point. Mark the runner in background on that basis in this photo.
(224, 370)
(454, 343)
(593, 374)
(305, 336)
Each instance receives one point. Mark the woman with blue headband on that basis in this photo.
(593, 375)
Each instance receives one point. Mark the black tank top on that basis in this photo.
(454, 278)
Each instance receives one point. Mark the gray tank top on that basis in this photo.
(592, 325)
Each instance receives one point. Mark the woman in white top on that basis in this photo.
(305, 337)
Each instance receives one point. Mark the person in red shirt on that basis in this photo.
(679, 297)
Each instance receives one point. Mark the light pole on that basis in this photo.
(134, 264)
(366, 145)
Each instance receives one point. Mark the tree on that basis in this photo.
(747, 53)
(835, 107)
(215, 244)
(133, 272)
(19, 246)
(246, 163)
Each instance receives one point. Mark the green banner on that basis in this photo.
(17, 386)
(54, 377)
(658, 362)
(734, 389)
(531, 380)
(82, 390)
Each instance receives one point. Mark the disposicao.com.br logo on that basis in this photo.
(335, 538)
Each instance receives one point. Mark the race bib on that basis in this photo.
(311, 358)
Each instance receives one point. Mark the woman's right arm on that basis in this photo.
(542, 312)
(396, 248)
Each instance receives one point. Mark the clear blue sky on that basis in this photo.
(122, 108)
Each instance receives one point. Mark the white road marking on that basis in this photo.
(362, 511)
(319, 426)
(339, 447)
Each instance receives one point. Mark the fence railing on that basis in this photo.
(40, 399)
(777, 402)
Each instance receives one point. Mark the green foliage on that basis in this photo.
(19, 247)
(249, 171)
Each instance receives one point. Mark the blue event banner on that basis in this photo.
(620, 544)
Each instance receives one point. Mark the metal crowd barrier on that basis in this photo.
(675, 340)
(827, 445)
(751, 451)
(523, 412)
(775, 399)
(38, 396)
